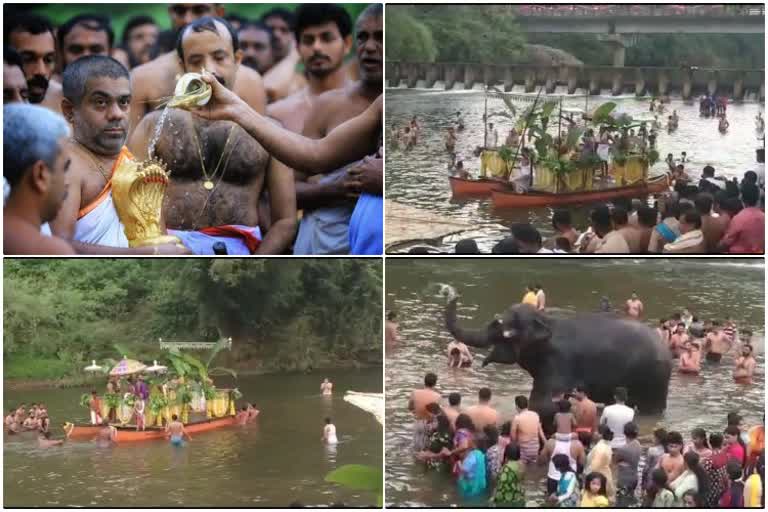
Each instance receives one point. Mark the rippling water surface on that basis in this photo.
(274, 461)
(710, 288)
(419, 177)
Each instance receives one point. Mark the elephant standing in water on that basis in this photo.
(599, 351)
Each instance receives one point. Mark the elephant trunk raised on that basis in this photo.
(480, 338)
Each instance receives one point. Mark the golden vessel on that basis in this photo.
(191, 91)
(138, 189)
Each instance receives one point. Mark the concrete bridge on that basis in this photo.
(687, 82)
(620, 24)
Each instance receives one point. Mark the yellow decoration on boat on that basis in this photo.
(491, 162)
(138, 189)
(634, 170)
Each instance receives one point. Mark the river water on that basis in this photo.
(419, 177)
(277, 459)
(710, 288)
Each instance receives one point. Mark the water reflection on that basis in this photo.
(420, 177)
(711, 288)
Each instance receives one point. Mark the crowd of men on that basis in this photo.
(593, 459)
(285, 158)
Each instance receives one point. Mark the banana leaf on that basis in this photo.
(507, 101)
(85, 400)
(547, 108)
(603, 112)
(222, 371)
(574, 134)
(220, 345)
(358, 477)
(123, 351)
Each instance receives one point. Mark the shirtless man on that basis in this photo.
(44, 440)
(256, 43)
(97, 93)
(282, 79)
(450, 140)
(526, 431)
(465, 357)
(323, 37)
(717, 343)
(417, 404)
(15, 89)
(452, 411)
(175, 430)
(328, 201)
(690, 359)
(391, 336)
(39, 178)
(585, 412)
(483, 414)
(634, 307)
(242, 415)
(224, 190)
(672, 461)
(677, 339)
(87, 34)
(155, 81)
(326, 387)
(32, 37)
(745, 366)
(252, 412)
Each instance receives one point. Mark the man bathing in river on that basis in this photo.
(585, 413)
(391, 334)
(745, 366)
(218, 170)
(526, 431)
(175, 430)
(326, 387)
(717, 343)
(417, 404)
(459, 355)
(482, 414)
(672, 462)
(634, 306)
(690, 358)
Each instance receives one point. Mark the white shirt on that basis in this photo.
(616, 416)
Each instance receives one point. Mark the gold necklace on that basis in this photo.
(90, 156)
(208, 182)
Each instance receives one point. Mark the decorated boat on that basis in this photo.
(507, 198)
(130, 434)
(186, 394)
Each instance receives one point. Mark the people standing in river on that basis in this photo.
(627, 460)
(176, 432)
(450, 141)
(329, 433)
(617, 415)
(482, 414)
(459, 355)
(94, 404)
(744, 366)
(326, 387)
(417, 404)
(634, 307)
(391, 334)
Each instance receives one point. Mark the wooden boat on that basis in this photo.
(462, 187)
(130, 434)
(505, 198)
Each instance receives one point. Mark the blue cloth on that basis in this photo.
(472, 480)
(177, 440)
(366, 228)
(666, 232)
(200, 243)
(325, 230)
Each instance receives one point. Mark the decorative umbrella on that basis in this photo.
(156, 368)
(369, 402)
(127, 367)
(93, 367)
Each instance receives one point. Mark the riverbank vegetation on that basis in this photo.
(282, 315)
(490, 34)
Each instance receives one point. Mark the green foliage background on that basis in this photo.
(282, 314)
(119, 13)
(489, 34)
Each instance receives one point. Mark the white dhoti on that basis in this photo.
(100, 225)
(95, 418)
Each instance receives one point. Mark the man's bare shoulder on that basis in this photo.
(20, 238)
(285, 106)
(248, 77)
(155, 73)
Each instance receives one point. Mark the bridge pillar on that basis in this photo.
(594, 84)
(639, 83)
(393, 73)
(617, 84)
(573, 81)
(550, 83)
(412, 75)
(663, 84)
(433, 73)
(530, 81)
(469, 76)
(738, 89)
(712, 84)
(687, 87)
(489, 77)
(509, 80)
(618, 48)
(451, 71)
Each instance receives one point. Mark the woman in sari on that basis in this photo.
(471, 472)
(509, 489)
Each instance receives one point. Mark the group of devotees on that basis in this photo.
(592, 458)
(285, 157)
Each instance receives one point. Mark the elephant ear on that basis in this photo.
(539, 328)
